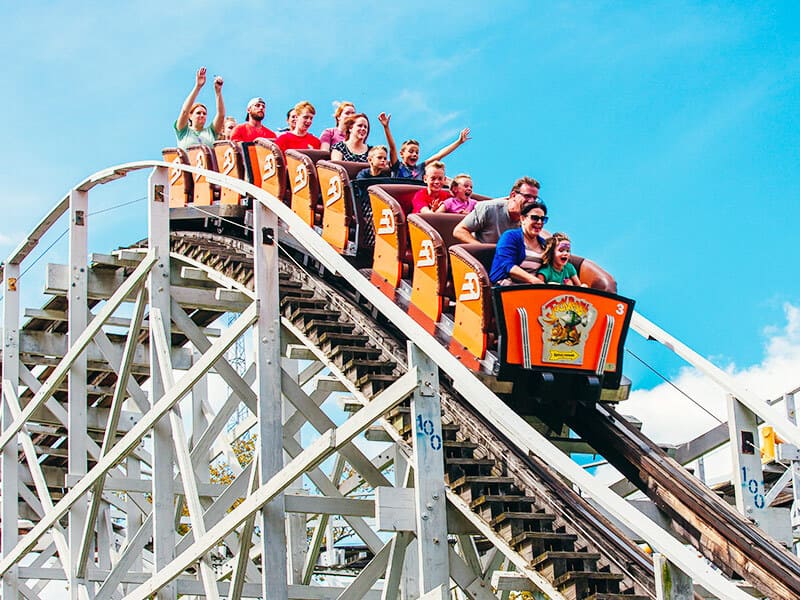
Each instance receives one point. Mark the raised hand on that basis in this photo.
(200, 78)
(218, 84)
(384, 119)
(464, 135)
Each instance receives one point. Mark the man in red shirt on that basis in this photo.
(299, 138)
(252, 127)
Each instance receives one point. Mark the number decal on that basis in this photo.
(425, 428)
(620, 309)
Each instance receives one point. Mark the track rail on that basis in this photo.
(723, 535)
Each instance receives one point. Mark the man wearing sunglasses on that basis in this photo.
(489, 219)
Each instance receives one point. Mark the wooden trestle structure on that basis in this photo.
(109, 426)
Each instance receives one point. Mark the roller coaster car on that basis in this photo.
(194, 202)
(547, 339)
(566, 337)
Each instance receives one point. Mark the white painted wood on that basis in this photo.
(158, 283)
(268, 385)
(132, 438)
(322, 422)
(76, 348)
(309, 458)
(368, 575)
(186, 471)
(394, 567)
(321, 529)
(469, 582)
(111, 428)
(9, 486)
(245, 541)
(395, 509)
(429, 488)
(43, 497)
(78, 308)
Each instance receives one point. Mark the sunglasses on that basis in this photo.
(537, 218)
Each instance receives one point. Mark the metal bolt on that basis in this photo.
(424, 517)
(435, 540)
(436, 496)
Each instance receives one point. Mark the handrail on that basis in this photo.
(471, 388)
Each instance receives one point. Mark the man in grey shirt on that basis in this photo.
(489, 219)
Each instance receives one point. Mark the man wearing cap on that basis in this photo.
(252, 127)
(491, 218)
(190, 126)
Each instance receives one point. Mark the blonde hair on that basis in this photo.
(374, 149)
(304, 105)
(456, 181)
(437, 164)
(408, 143)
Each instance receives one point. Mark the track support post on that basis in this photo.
(9, 485)
(78, 308)
(429, 489)
(268, 381)
(158, 283)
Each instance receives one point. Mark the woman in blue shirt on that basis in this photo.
(519, 251)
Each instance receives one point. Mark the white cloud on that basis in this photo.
(669, 417)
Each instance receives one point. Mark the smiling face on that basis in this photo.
(360, 129)
(434, 177)
(524, 194)
(198, 116)
(409, 154)
(533, 222)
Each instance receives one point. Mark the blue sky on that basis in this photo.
(665, 134)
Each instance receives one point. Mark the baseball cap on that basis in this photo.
(254, 101)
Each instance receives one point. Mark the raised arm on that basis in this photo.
(199, 82)
(219, 118)
(462, 137)
(384, 120)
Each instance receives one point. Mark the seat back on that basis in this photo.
(304, 185)
(473, 321)
(230, 162)
(391, 241)
(590, 273)
(340, 217)
(181, 183)
(443, 223)
(403, 193)
(429, 280)
(266, 168)
(205, 192)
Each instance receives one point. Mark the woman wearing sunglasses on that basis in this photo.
(519, 251)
